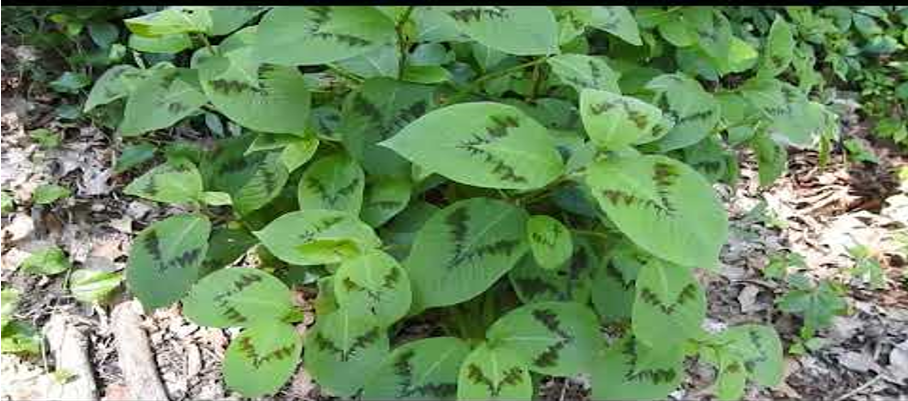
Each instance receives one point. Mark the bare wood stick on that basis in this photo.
(70, 349)
(134, 355)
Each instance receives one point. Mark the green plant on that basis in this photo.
(817, 303)
(519, 176)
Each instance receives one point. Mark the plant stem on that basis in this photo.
(492, 75)
(211, 48)
(592, 233)
(402, 42)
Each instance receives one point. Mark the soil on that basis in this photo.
(816, 212)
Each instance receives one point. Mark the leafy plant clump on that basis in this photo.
(521, 178)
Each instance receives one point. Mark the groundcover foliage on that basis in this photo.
(527, 179)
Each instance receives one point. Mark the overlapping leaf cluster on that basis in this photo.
(520, 177)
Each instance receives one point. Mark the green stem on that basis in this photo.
(592, 233)
(402, 42)
(492, 75)
(208, 45)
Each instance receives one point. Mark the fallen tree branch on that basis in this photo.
(134, 355)
(69, 347)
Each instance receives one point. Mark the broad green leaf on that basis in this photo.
(419, 370)
(486, 57)
(493, 374)
(93, 285)
(373, 283)
(668, 300)
(262, 358)
(518, 30)
(621, 374)
(772, 158)
(552, 338)
(677, 31)
(134, 155)
(377, 111)
(571, 281)
(760, 350)
(165, 44)
(399, 233)
(227, 244)
(482, 144)
(550, 241)
(175, 181)
(314, 35)
(433, 25)
(581, 72)
(325, 302)
(714, 34)
(9, 300)
(237, 297)
(46, 262)
(385, 198)
(334, 182)
(426, 74)
(298, 152)
(730, 380)
(172, 20)
(264, 184)
(252, 180)
(315, 237)
(614, 283)
(778, 49)
(46, 194)
(160, 100)
(742, 56)
(572, 21)
(463, 249)
(344, 341)
(618, 21)
(21, 338)
(663, 206)
(693, 111)
(226, 19)
(110, 86)
(794, 118)
(614, 121)
(169, 251)
(383, 61)
(216, 198)
(258, 96)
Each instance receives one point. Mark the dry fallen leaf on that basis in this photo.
(898, 362)
(748, 299)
